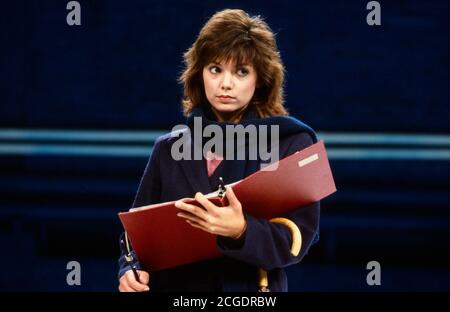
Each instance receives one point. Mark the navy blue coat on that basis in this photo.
(263, 245)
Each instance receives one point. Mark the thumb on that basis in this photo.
(232, 199)
(144, 277)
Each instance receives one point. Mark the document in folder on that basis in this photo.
(162, 240)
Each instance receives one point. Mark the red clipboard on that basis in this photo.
(162, 240)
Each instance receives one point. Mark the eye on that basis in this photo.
(242, 71)
(214, 69)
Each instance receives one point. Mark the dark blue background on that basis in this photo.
(118, 71)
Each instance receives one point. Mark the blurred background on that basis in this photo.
(80, 107)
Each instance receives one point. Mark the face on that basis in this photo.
(229, 87)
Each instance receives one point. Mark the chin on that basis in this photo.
(226, 108)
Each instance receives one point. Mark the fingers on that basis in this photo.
(129, 283)
(202, 200)
(192, 210)
(196, 225)
(144, 277)
(123, 285)
(125, 288)
(135, 284)
(232, 199)
(191, 217)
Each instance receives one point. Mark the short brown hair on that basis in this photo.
(233, 35)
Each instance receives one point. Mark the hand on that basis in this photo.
(226, 221)
(129, 284)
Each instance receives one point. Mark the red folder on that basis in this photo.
(162, 240)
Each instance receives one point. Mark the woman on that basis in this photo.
(233, 75)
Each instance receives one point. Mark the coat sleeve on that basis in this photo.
(149, 192)
(267, 245)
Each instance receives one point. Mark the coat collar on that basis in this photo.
(195, 170)
(196, 173)
(288, 125)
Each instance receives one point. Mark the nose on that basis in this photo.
(227, 81)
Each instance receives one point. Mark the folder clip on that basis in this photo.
(222, 189)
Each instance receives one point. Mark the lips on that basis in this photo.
(226, 98)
